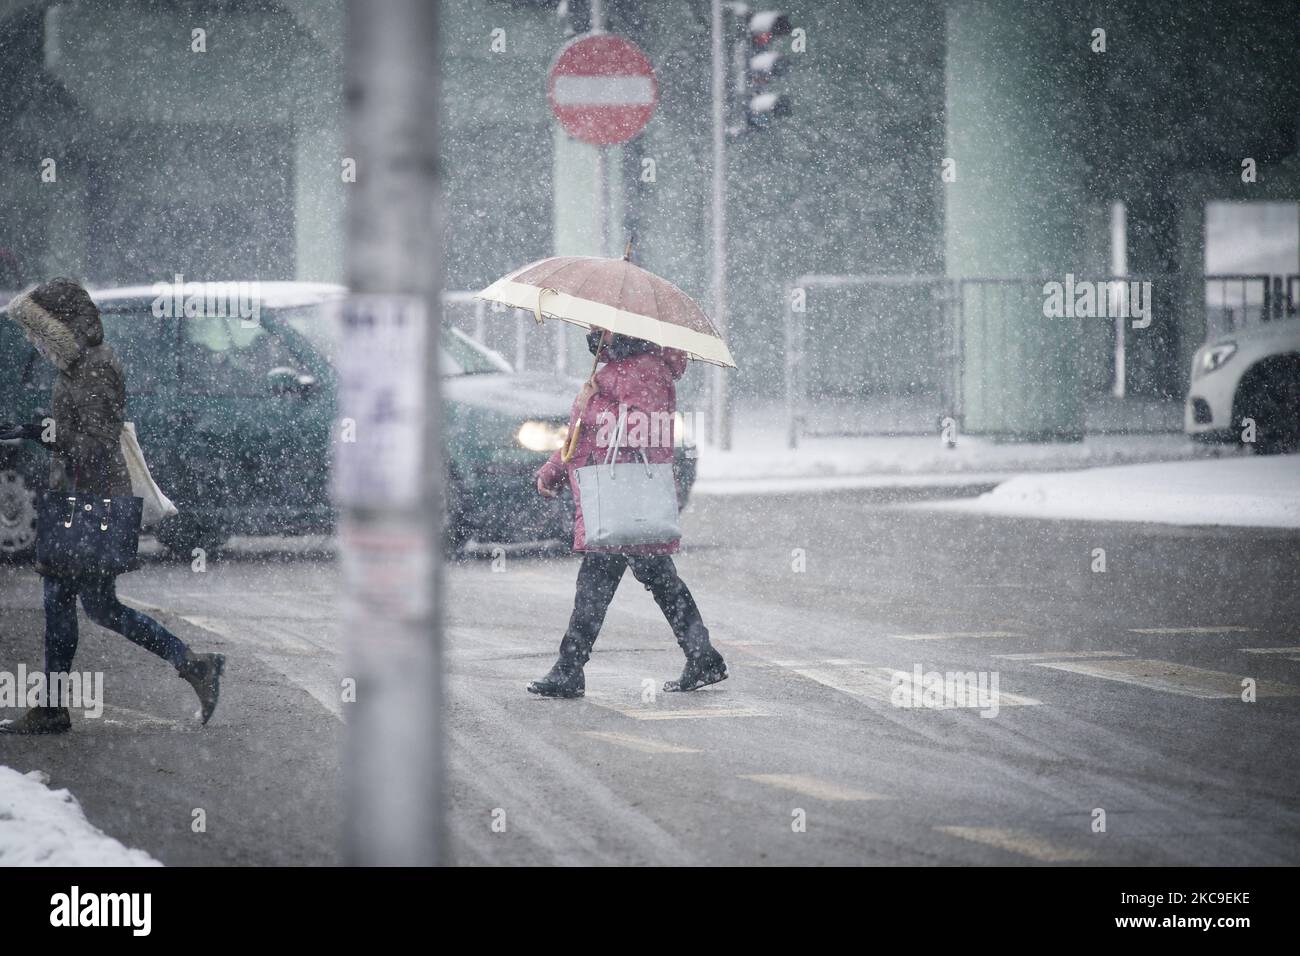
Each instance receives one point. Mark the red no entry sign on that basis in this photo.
(602, 89)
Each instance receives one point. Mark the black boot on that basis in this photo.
(40, 720)
(565, 678)
(203, 671)
(704, 665)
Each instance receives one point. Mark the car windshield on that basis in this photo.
(461, 355)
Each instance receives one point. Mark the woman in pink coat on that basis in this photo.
(639, 376)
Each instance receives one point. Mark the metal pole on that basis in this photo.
(602, 156)
(1119, 267)
(389, 482)
(602, 200)
(721, 406)
(791, 412)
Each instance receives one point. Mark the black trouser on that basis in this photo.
(598, 579)
(99, 598)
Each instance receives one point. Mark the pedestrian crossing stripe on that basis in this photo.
(642, 744)
(1019, 842)
(1226, 629)
(135, 719)
(692, 714)
(1174, 678)
(952, 635)
(639, 711)
(1293, 649)
(878, 683)
(812, 787)
(1061, 656)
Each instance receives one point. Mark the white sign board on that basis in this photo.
(380, 420)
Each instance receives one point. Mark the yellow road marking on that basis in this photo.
(811, 786)
(1019, 842)
(1175, 678)
(643, 744)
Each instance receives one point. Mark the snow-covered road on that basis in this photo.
(1119, 691)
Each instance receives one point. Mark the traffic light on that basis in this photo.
(764, 64)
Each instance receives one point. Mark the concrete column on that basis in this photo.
(319, 194)
(1019, 207)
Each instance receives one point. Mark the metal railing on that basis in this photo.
(1234, 302)
(515, 337)
(898, 343)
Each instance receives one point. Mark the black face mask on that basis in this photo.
(621, 347)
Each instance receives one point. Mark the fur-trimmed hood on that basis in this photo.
(63, 336)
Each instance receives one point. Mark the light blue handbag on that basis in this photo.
(630, 503)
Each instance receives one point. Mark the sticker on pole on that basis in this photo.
(602, 89)
(379, 431)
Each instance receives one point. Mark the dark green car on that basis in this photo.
(236, 420)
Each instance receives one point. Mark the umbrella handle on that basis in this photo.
(537, 309)
(571, 444)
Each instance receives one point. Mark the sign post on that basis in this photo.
(388, 470)
(603, 90)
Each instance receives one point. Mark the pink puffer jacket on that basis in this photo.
(645, 384)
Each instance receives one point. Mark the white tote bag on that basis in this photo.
(156, 504)
(627, 504)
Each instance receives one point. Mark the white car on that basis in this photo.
(1251, 375)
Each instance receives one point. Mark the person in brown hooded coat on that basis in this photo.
(84, 440)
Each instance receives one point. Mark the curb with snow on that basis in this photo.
(44, 827)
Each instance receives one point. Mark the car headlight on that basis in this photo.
(1213, 358)
(541, 436)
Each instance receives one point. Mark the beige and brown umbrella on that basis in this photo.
(612, 294)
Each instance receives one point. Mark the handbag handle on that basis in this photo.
(612, 455)
(620, 435)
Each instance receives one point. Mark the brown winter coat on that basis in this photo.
(89, 400)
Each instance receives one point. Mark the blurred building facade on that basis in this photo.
(221, 154)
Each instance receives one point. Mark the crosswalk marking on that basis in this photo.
(307, 666)
(705, 708)
(137, 719)
(1174, 678)
(643, 744)
(1020, 843)
(812, 786)
(1226, 629)
(1061, 655)
(690, 714)
(949, 635)
(1293, 649)
(877, 683)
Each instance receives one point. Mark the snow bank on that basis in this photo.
(759, 452)
(801, 485)
(1255, 491)
(44, 827)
